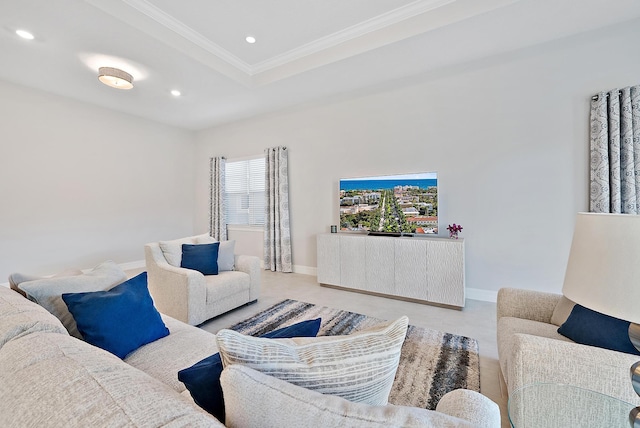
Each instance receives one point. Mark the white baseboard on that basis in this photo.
(482, 295)
(305, 270)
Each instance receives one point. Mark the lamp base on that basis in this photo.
(634, 336)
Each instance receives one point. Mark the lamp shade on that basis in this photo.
(603, 272)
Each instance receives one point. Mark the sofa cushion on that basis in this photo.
(201, 257)
(183, 347)
(47, 292)
(19, 317)
(359, 367)
(592, 328)
(56, 380)
(226, 284)
(15, 279)
(291, 406)
(119, 320)
(203, 378)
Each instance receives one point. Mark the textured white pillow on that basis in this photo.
(359, 367)
(47, 292)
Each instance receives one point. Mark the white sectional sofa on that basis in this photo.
(532, 351)
(51, 379)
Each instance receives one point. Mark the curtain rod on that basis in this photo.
(597, 96)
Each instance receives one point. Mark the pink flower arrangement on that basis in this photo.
(454, 229)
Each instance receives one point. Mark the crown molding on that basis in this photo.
(369, 26)
(168, 21)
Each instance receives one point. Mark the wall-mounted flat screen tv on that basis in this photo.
(390, 204)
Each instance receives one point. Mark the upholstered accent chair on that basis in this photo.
(192, 297)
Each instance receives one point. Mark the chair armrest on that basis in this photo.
(251, 266)
(177, 292)
(526, 304)
(537, 359)
(470, 406)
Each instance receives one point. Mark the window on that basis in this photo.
(244, 192)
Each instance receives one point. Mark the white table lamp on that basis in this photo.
(603, 274)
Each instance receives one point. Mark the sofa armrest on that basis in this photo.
(541, 360)
(251, 266)
(527, 304)
(177, 292)
(471, 406)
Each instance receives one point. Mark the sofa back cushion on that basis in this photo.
(19, 317)
(15, 279)
(291, 406)
(68, 383)
(47, 292)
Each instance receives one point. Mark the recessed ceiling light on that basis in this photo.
(250, 39)
(25, 34)
(176, 93)
(115, 78)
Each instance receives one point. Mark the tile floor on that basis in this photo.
(477, 319)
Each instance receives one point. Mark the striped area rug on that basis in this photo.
(432, 363)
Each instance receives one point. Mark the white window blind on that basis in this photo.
(244, 192)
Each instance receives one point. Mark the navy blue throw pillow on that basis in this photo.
(119, 320)
(595, 329)
(203, 378)
(201, 257)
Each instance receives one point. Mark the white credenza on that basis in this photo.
(429, 270)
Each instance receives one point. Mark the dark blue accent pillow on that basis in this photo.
(203, 378)
(595, 329)
(119, 320)
(201, 257)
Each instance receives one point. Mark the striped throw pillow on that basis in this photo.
(359, 367)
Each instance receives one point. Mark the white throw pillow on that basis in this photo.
(359, 367)
(226, 252)
(47, 292)
(172, 250)
(15, 279)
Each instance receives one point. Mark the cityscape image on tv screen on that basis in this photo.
(406, 203)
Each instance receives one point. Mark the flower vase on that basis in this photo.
(453, 235)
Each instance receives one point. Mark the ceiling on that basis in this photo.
(306, 50)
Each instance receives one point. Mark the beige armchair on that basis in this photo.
(192, 297)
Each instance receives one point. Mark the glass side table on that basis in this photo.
(546, 405)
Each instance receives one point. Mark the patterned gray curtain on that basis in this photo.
(615, 151)
(277, 236)
(217, 221)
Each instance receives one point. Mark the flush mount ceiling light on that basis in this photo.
(115, 78)
(176, 93)
(250, 39)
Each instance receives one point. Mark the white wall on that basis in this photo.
(81, 184)
(508, 137)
